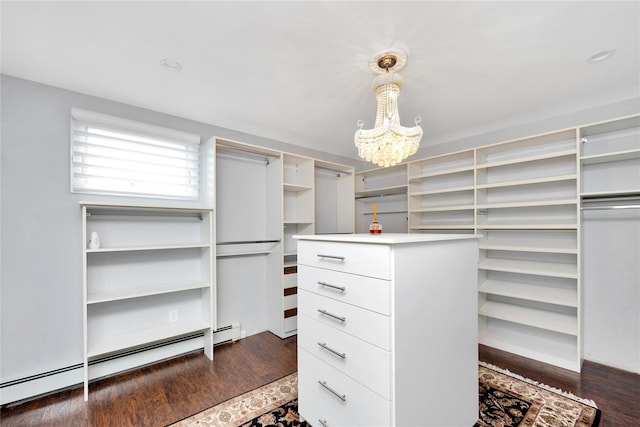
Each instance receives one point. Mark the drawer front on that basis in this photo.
(339, 400)
(364, 362)
(367, 325)
(372, 260)
(366, 292)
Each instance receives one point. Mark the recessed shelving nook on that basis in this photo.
(264, 197)
(151, 279)
(387, 188)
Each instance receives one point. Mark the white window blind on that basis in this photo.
(110, 155)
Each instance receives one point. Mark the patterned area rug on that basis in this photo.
(509, 400)
(506, 400)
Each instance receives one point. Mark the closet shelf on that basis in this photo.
(538, 268)
(145, 336)
(534, 158)
(539, 225)
(523, 204)
(441, 226)
(385, 212)
(296, 187)
(530, 292)
(523, 245)
(611, 157)
(543, 319)
(444, 209)
(148, 248)
(109, 295)
(466, 188)
(548, 179)
(434, 173)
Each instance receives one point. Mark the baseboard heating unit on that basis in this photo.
(26, 388)
(226, 334)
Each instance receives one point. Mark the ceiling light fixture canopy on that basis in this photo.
(388, 143)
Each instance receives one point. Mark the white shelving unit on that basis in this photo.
(442, 193)
(298, 217)
(151, 280)
(387, 188)
(248, 197)
(610, 192)
(527, 215)
(263, 198)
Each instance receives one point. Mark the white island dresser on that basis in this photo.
(387, 330)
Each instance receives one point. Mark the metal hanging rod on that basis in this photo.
(249, 150)
(334, 170)
(606, 208)
(247, 242)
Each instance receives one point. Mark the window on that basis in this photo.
(115, 156)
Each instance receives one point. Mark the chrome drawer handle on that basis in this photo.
(326, 347)
(342, 397)
(323, 422)
(335, 316)
(339, 258)
(329, 285)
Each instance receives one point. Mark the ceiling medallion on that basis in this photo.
(387, 143)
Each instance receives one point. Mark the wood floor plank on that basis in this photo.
(166, 392)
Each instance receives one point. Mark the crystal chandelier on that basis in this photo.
(388, 143)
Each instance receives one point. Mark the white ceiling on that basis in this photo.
(298, 72)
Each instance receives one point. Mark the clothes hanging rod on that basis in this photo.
(605, 208)
(248, 242)
(249, 150)
(334, 170)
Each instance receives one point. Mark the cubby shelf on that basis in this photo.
(416, 177)
(539, 268)
(543, 319)
(558, 178)
(545, 294)
(526, 159)
(148, 248)
(143, 291)
(618, 156)
(524, 245)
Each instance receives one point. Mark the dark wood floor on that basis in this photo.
(169, 391)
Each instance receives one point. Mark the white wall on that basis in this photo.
(40, 268)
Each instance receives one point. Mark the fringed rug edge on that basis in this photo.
(563, 393)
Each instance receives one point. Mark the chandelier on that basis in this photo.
(388, 143)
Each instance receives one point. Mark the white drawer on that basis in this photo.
(366, 292)
(364, 362)
(360, 406)
(367, 325)
(372, 260)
